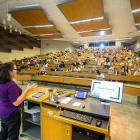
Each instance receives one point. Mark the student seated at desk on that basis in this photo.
(70, 68)
(125, 70)
(99, 75)
(42, 70)
(56, 69)
(107, 64)
(111, 70)
(62, 65)
(77, 69)
(93, 70)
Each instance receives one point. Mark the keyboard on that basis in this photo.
(76, 116)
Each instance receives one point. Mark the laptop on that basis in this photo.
(136, 67)
(99, 78)
(80, 94)
(123, 73)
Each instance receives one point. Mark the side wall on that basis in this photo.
(55, 46)
(6, 57)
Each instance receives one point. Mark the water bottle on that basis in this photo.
(51, 94)
(25, 105)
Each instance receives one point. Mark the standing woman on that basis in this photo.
(11, 97)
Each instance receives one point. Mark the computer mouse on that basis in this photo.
(98, 123)
(83, 106)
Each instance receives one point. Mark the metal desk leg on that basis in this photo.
(138, 100)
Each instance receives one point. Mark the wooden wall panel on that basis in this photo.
(9, 46)
(5, 50)
(14, 41)
(1, 41)
(24, 46)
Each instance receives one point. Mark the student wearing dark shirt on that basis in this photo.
(11, 97)
(62, 65)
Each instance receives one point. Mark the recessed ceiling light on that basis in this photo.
(136, 10)
(30, 5)
(86, 20)
(38, 26)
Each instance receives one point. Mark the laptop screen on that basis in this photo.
(80, 94)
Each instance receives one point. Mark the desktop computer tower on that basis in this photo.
(85, 134)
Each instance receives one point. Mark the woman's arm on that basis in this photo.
(21, 98)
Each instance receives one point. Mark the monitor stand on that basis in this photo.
(104, 102)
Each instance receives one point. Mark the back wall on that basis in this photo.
(6, 57)
(55, 46)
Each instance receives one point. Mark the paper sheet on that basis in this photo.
(77, 104)
(66, 100)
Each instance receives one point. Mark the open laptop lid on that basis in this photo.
(99, 78)
(80, 94)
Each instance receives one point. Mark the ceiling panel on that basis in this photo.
(92, 25)
(137, 17)
(50, 30)
(108, 32)
(135, 4)
(30, 17)
(138, 27)
(82, 9)
(118, 13)
(49, 37)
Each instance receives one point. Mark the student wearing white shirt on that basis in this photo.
(77, 69)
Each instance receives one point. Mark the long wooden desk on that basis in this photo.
(128, 88)
(125, 77)
(23, 78)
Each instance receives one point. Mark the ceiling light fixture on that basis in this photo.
(10, 30)
(59, 39)
(136, 10)
(137, 24)
(30, 5)
(86, 20)
(102, 33)
(38, 26)
(15, 29)
(8, 17)
(128, 38)
(4, 22)
(5, 27)
(105, 29)
(10, 26)
(46, 34)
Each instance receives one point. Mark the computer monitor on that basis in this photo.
(107, 90)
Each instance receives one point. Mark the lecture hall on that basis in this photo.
(69, 69)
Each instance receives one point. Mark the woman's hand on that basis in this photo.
(31, 87)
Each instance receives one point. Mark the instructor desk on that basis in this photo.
(56, 127)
